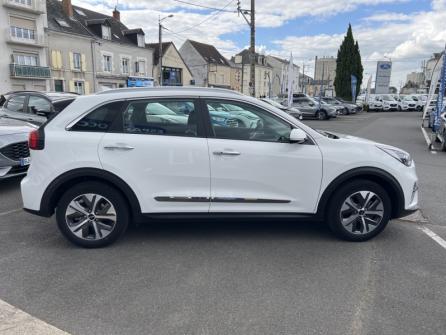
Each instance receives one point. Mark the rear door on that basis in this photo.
(158, 146)
(15, 108)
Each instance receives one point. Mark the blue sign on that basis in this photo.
(440, 105)
(139, 82)
(385, 66)
(354, 83)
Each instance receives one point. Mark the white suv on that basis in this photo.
(130, 154)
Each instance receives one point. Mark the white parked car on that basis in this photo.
(407, 103)
(388, 102)
(98, 168)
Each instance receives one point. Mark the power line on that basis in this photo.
(207, 19)
(206, 7)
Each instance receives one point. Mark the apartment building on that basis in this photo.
(263, 74)
(208, 66)
(279, 76)
(325, 72)
(23, 60)
(91, 52)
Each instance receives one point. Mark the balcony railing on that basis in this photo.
(29, 71)
(38, 41)
(33, 6)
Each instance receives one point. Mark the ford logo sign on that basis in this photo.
(385, 66)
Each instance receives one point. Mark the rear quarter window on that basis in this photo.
(101, 119)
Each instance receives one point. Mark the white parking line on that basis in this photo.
(433, 236)
(15, 321)
(426, 136)
(11, 211)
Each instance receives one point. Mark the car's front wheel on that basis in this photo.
(92, 215)
(359, 210)
(321, 115)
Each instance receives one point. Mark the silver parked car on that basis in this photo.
(14, 152)
(293, 111)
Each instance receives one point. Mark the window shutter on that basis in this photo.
(87, 87)
(54, 59)
(71, 61)
(103, 63)
(121, 68)
(72, 89)
(83, 63)
(59, 59)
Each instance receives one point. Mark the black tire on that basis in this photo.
(321, 115)
(111, 195)
(340, 196)
(346, 111)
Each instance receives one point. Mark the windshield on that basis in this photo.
(387, 97)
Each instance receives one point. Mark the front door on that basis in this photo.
(255, 168)
(159, 149)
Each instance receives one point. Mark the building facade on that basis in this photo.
(279, 81)
(263, 74)
(23, 60)
(325, 72)
(91, 52)
(175, 70)
(208, 67)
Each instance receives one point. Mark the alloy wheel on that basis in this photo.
(362, 212)
(91, 216)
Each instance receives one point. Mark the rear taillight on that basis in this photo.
(36, 139)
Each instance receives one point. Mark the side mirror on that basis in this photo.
(298, 136)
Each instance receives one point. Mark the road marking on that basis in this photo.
(426, 136)
(15, 321)
(433, 236)
(11, 211)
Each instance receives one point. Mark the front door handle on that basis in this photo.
(122, 147)
(226, 153)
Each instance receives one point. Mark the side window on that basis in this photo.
(246, 122)
(16, 103)
(161, 117)
(101, 119)
(38, 104)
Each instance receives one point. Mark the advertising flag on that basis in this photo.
(354, 81)
(290, 80)
(369, 88)
(440, 104)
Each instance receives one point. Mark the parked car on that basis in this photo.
(406, 103)
(281, 168)
(310, 108)
(373, 104)
(325, 105)
(34, 107)
(293, 111)
(347, 106)
(14, 152)
(388, 102)
(441, 134)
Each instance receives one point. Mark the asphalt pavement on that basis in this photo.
(239, 277)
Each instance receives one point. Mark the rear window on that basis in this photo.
(101, 119)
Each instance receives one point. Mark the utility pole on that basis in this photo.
(160, 46)
(303, 76)
(160, 52)
(252, 48)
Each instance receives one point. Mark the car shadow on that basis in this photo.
(223, 229)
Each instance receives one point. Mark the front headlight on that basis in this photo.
(399, 155)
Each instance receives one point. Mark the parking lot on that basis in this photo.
(237, 277)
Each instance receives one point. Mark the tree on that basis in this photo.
(348, 63)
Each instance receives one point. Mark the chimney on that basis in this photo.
(67, 7)
(117, 14)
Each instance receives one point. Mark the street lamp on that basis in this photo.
(160, 56)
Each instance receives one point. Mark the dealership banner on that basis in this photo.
(440, 104)
(354, 81)
(290, 81)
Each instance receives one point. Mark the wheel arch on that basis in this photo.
(58, 186)
(379, 176)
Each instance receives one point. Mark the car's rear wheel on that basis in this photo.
(321, 115)
(92, 215)
(359, 211)
(346, 111)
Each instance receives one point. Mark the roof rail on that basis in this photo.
(168, 88)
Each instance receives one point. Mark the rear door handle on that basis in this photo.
(122, 147)
(226, 153)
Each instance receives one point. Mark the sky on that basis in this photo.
(406, 31)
